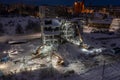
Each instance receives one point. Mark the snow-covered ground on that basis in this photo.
(78, 64)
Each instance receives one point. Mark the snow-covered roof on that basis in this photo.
(104, 21)
(52, 22)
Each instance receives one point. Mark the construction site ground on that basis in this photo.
(77, 65)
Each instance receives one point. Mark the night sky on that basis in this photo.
(64, 2)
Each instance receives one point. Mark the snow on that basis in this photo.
(93, 51)
(115, 24)
(54, 23)
(106, 21)
(46, 49)
(78, 63)
(70, 53)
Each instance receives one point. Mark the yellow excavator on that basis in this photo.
(54, 56)
(58, 59)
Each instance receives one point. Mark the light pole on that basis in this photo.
(103, 70)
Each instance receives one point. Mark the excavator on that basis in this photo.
(54, 55)
(82, 44)
(58, 60)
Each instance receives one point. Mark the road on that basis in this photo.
(20, 37)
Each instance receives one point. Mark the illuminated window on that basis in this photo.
(75, 3)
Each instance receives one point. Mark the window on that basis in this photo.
(47, 22)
